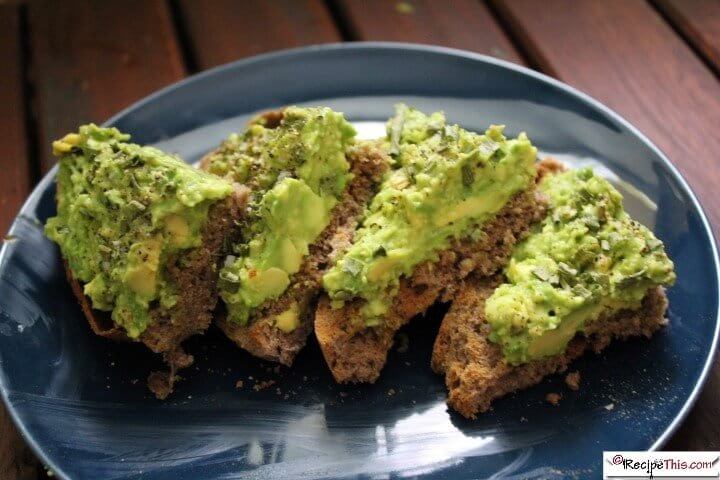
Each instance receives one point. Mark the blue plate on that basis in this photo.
(81, 401)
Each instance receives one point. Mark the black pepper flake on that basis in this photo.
(468, 175)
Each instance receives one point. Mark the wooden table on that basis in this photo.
(69, 62)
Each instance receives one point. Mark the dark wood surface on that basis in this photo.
(16, 178)
(699, 22)
(231, 29)
(465, 24)
(92, 58)
(65, 63)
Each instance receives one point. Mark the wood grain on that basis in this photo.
(699, 22)
(219, 31)
(15, 171)
(624, 54)
(92, 58)
(16, 461)
(466, 24)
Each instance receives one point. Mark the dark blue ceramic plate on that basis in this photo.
(82, 403)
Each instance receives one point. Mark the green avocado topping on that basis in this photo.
(298, 171)
(123, 210)
(446, 183)
(585, 258)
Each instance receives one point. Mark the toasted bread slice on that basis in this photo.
(474, 367)
(355, 353)
(260, 336)
(195, 274)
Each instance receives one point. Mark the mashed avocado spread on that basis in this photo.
(585, 258)
(298, 171)
(446, 182)
(123, 210)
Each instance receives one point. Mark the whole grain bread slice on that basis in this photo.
(260, 336)
(474, 368)
(355, 353)
(194, 273)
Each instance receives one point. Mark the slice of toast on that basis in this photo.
(355, 353)
(474, 367)
(195, 273)
(260, 336)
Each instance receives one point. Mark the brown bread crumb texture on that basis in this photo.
(474, 368)
(553, 398)
(260, 337)
(572, 380)
(355, 353)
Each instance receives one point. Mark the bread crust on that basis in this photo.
(100, 323)
(355, 353)
(474, 367)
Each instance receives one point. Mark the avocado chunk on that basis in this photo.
(288, 320)
(122, 210)
(587, 257)
(297, 171)
(445, 184)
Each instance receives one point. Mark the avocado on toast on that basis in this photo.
(586, 274)
(310, 181)
(141, 234)
(455, 202)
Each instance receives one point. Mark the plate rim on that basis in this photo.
(309, 50)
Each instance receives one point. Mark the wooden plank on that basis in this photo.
(699, 21)
(465, 24)
(220, 31)
(16, 460)
(92, 58)
(15, 179)
(624, 54)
